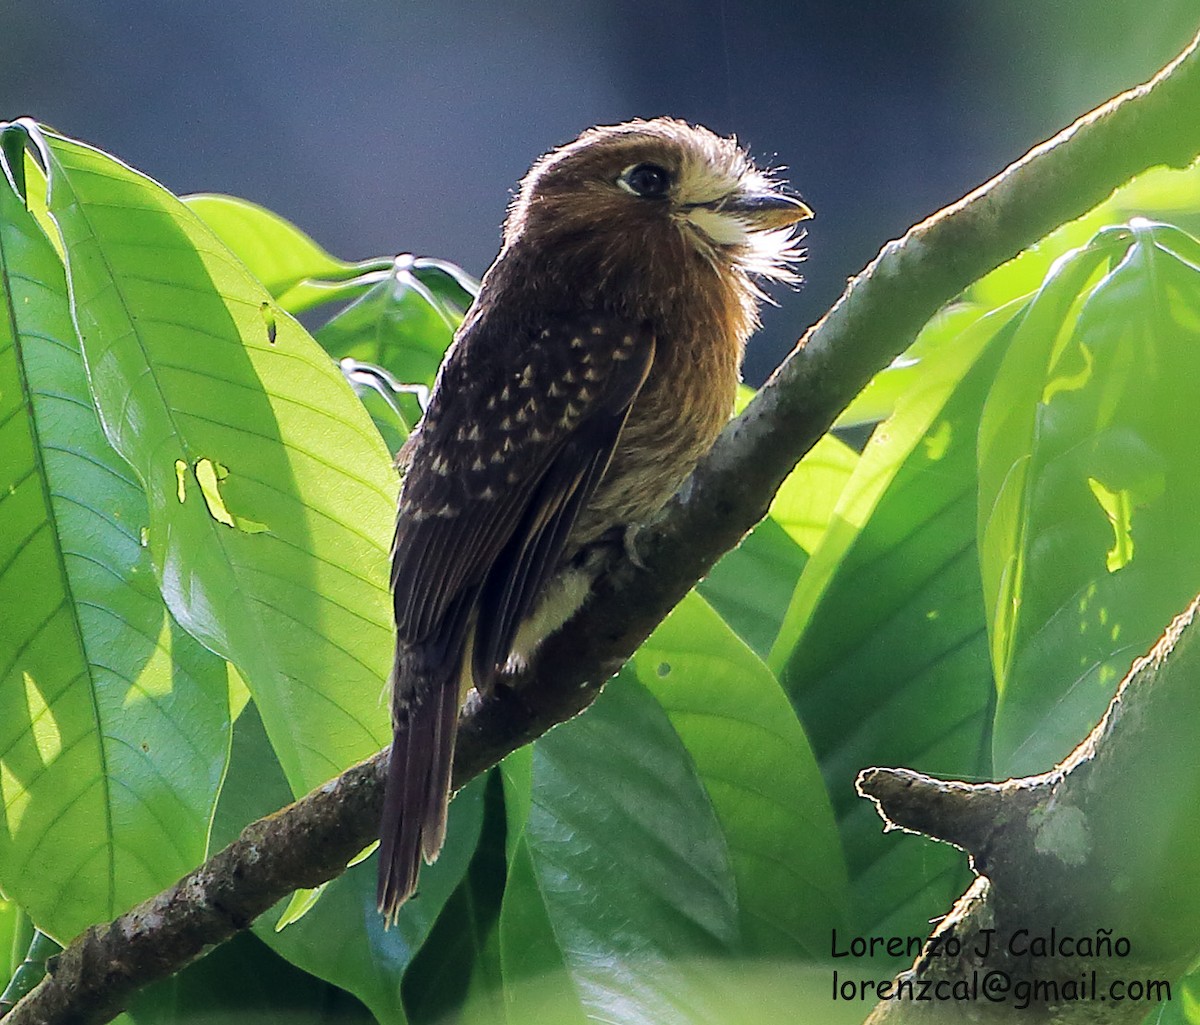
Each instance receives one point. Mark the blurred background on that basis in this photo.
(383, 126)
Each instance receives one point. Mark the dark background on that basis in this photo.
(390, 125)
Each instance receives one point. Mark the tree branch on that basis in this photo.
(1101, 848)
(877, 317)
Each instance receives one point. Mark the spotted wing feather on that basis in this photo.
(507, 455)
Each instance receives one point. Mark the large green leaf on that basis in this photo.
(343, 938)
(1161, 192)
(114, 723)
(457, 974)
(1184, 1006)
(276, 252)
(883, 650)
(751, 754)
(243, 983)
(1169, 193)
(270, 493)
(751, 586)
(399, 325)
(12, 921)
(621, 876)
(1087, 475)
(878, 399)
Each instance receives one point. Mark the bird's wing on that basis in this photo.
(507, 455)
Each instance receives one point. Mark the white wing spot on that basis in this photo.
(576, 342)
(597, 330)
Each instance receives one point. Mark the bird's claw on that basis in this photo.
(629, 543)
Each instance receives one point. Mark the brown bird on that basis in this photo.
(599, 362)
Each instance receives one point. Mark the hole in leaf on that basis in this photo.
(1118, 507)
(210, 475)
(268, 316)
(181, 480)
(938, 440)
(1071, 371)
(664, 669)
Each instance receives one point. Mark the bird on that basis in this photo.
(598, 363)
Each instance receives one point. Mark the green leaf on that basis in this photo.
(1006, 435)
(878, 399)
(1162, 192)
(12, 922)
(621, 876)
(242, 982)
(273, 249)
(1183, 1008)
(399, 325)
(516, 772)
(1087, 461)
(31, 969)
(457, 975)
(342, 938)
(751, 753)
(883, 650)
(751, 586)
(114, 723)
(191, 380)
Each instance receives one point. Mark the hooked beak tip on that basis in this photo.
(767, 210)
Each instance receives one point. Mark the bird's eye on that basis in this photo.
(647, 180)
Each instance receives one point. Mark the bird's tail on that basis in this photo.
(417, 792)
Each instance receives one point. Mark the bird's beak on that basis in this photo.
(764, 209)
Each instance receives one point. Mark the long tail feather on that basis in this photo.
(417, 791)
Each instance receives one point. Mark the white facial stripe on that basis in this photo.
(722, 228)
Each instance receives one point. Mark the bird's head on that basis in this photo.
(658, 190)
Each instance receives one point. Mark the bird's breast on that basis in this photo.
(686, 401)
